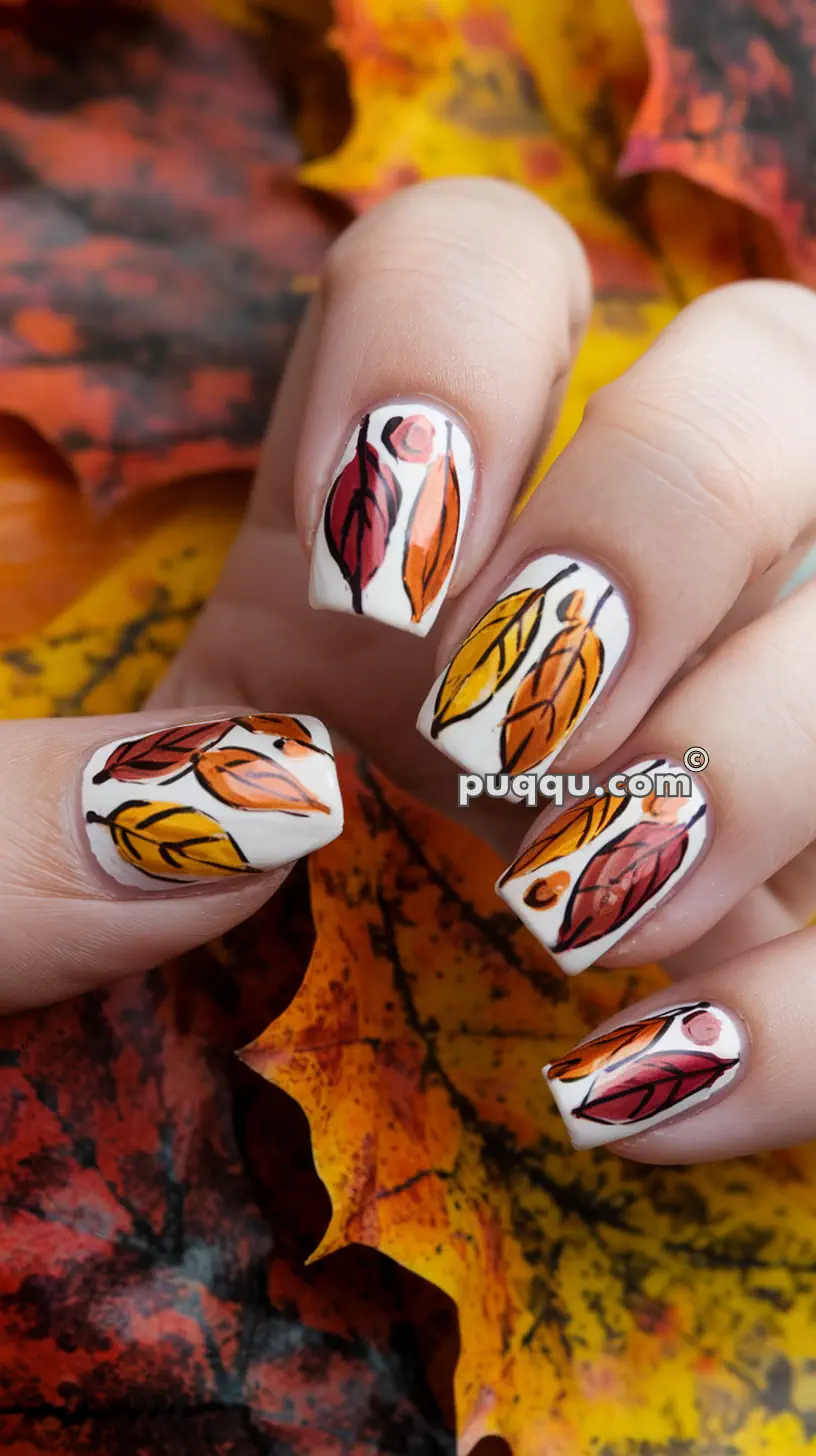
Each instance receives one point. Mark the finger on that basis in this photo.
(720, 1072)
(666, 489)
(440, 351)
(756, 812)
(129, 840)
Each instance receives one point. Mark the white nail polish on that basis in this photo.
(393, 518)
(530, 670)
(645, 1072)
(593, 873)
(202, 802)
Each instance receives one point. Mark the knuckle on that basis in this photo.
(701, 457)
(482, 244)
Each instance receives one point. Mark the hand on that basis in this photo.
(639, 618)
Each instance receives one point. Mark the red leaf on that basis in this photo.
(649, 1085)
(409, 438)
(621, 878)
(360, 515)
(152, 757)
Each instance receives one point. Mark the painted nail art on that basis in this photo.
(528, 673)
(645, 1072)
(393, 519)
(597, 870)
(203, 801)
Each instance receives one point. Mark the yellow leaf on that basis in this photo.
(168, 840)
(570, 831)
(488, 656)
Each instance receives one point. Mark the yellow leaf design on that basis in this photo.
(170, 840)
(488, 656)
(570, 831)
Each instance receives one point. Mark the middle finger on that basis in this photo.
(689, 478)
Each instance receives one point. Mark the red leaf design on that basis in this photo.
(649, 1085)
(621, 878)
(159, 754)
(360, 515)
(410, 438)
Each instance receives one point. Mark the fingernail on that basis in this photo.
(392, 523)
(205, 801)
(608, 861)
(527, 674)
(646, 1072)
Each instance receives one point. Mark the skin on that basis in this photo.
(690, 481)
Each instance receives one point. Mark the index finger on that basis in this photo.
(436, 370)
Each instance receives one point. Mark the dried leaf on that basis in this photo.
(409, 438)
(730, 105)
(144, 355)
(433, 529)
(360, 515)
(620, 879)
(158, 755)
(570, 831)
(247, 780)
(555, 693)
(607, 1051)
(650, 1085)
(171, 840)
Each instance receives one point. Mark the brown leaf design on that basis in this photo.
(570, 831)
(651, 1084)
(616, 1046)
(291, 736)
(433, 530)
(552, 697)
(360, 513)
(247, 780)
(621, 878)
(157, 755)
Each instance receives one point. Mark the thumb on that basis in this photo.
(129, 840)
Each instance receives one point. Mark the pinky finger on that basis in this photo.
(718, 1067)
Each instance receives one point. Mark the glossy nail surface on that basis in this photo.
(530, 670)
(642, 1073)
(206, 801)
(593, 873)
(393, 518)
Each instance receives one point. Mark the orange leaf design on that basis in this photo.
(543, 894)
(247, 780)
(612, 1048)
(433, 530)
(553, 696)
(570, 831)
(294, 737)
